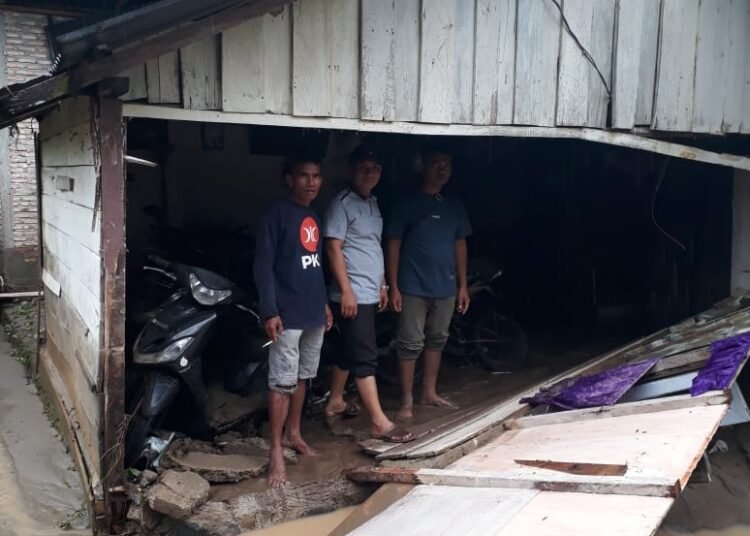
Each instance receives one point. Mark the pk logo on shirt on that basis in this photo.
(309, 234)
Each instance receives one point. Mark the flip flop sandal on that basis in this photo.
(397, 434)
(351, 410)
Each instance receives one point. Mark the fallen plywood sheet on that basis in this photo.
(456, 511)
(664, 444)
(526, 480)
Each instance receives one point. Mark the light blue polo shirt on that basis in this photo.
(357, 221)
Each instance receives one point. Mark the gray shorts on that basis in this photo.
(423, 324)
(295, 356)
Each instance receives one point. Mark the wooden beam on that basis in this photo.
(713, 398)
(679, 363)
(620, 139)
(618, 485)
(578, 468)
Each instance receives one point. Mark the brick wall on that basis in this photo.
(27, 56)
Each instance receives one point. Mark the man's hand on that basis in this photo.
(348, 304)
(329, 318)
(383, 299)
(274, 328)
(462, 300)
(395, 298)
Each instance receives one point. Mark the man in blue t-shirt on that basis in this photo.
(293, 305)
(426, 269)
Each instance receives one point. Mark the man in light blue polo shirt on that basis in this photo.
(352, 229)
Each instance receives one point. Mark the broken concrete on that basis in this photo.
(221, 468)
(178, 494)
(234, 443)
(213, 518)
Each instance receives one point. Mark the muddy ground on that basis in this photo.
(40, 491)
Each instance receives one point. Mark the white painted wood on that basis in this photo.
(69, 148)
(537, 50)
(342, 41)
(74, 220)
(201, 76)
(647, 65)
(277, 73)
(311, 89)
(620, 139)
(446, 510)
(745, 127)
(50, 283)
(463, 62)
(738, 46)
(137, 83)
(494, 61)
(712, 48)
(378, 45)
(84, 263)
(243, 67)
(72, 112)
(407, 56)
(436, 61)
(673, 109)
(582, 98)
(634, 62)
(163, 79)
(84, 184)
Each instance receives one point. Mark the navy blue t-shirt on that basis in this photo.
(428, 227)
(288, 266)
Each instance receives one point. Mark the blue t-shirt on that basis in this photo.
(288, 266)
(428, 227)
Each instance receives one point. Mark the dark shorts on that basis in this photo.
(359, 352)
(424, 324)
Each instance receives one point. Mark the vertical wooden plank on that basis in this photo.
(242, 67)
(163, 79)
(406, 64)
(436, 60)
(342, 41)
(537, 50)
(463, 62)
(582, 98)
(277, 72)
(711, 49)
(137, 89)
(745, 128)
(311, 91)
(738, 48)
(378, 29)
(201, 79)
(602, 36)
(506, 81)
(644, 110)
(673, 109)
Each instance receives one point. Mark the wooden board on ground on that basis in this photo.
(444, 510)
(662, 444)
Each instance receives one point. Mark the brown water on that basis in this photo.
(321, 525)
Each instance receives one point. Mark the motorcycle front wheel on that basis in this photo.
(500, 344)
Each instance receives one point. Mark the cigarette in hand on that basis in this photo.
(269, 343)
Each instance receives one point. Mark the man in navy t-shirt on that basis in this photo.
(293, 305)
(426, 269)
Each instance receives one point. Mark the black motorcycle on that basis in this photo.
(487, 335)
(200, 319)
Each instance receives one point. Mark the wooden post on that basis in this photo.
(110, 139)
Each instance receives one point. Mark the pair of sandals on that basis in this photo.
(396, 434)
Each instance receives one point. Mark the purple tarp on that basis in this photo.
(726, 357)
(602, 389)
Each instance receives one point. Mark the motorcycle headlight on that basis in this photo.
(169, 354)
(205, 295)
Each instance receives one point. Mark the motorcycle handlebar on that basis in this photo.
(158, 261)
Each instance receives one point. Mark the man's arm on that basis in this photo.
(392, 254)
(265, 255)
(462, 297)
(337, 264)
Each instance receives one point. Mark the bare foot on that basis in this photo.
(406, 413)
(298, 444)
(334, 407)
(437, 401)
(277, 469)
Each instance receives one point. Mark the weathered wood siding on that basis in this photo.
(675, 65)
(72, 241)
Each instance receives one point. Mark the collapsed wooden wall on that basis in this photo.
(71, 232)
(673, 65)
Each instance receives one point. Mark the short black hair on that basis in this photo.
(300, 157)
(433, 149)
(364, 153)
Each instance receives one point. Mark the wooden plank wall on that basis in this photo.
(71, 234)
(675, 65)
